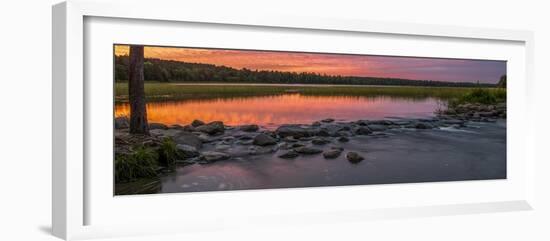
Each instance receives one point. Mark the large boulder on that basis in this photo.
(343, 139)
(377, 127)
(122, 122)
(333, 128)
(332, 153)
(453, 122)
(289, 155)
(165, 133)
(402, 122)
(320, 141)
(188, 128)
(322, 132)
(249, 128)
(187, 151)
(423, 125)
(380, 122)
(363, 130)
(187, 138)
(362, 122)
(212, 128)
(176, 126)
(197, 123)
(308, 150)
(260, 150)
(354, 157)
(293, 130)
(264, 140)
(213, 156)
(153, 126)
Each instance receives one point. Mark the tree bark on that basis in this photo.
(136, 89)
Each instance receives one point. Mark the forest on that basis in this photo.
(159, 70)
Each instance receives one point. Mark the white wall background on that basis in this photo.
(25, 120)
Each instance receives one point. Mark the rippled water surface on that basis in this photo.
(406, 156)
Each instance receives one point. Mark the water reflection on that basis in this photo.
(283, 109)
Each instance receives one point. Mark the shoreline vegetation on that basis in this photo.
(142, 159)
(156, 91)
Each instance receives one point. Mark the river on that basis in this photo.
(294, 108)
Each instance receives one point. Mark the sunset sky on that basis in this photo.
(459, 70)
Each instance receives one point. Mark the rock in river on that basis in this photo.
(264, 140)
(343, 139)
(292, 130)
(122, 122)
(212, 156)
(153, 126)
(423, 125)
(320, 141)
(380, 122)
(322, 132)
(363, 131)
(377, 127)
(212, 128)
(332, 153)
(260, 150)
(249, 128)
(187, 151)
(165, 133)
(454, 122)
(197, 123)
(289, 155)
(308, 150)
(188, 139)
(354, 157)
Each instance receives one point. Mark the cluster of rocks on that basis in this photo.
(475, 112)
(204, 143)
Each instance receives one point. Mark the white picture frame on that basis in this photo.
(73, 193)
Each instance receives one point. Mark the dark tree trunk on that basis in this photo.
(136, 89)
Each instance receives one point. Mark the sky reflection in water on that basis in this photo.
(270, 111)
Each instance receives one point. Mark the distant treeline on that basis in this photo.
(176, 71)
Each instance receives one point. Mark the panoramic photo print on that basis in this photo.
(197, 119)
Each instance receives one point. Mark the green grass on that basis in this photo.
(164, 91)
(168, 154)
(481, 96)
(142, 163)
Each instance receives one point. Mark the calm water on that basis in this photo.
(271, 111)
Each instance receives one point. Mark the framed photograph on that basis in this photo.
(181, 121)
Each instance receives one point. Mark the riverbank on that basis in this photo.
(170, 91)
(471, 126)
(204, 144)
(389, 151)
